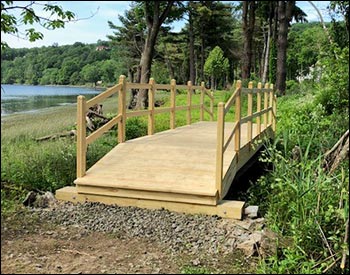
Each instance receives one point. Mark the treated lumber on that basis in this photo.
(225, 208)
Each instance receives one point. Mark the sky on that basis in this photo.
(93, 25)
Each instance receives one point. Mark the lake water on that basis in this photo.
(26, 98)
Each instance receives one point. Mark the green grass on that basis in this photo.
(195, 270)
(30, 165)
(298, 198)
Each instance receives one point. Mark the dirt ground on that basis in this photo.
(31, 246)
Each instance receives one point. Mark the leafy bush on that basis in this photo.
(33, 166)
(135, 127)
(334, 91)
(292, 86)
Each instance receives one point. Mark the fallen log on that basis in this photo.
(70, 133)
(94, 119)
(337, 154)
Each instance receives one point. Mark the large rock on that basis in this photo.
(251, 211)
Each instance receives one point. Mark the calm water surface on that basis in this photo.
(26, 98)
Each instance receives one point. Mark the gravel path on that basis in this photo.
(178, 232)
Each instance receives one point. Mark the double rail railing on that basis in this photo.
(121, 88)
(268, 115)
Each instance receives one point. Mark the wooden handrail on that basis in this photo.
(268, 112)
(121, 88)
(231, 100)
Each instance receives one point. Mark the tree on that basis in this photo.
(248, 31)
(216, 66)
(128, 40)
(285, 13)
(155, 13)
(91, 73)
(148, 17)
(10, 24)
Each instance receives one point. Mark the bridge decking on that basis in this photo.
(186, 169)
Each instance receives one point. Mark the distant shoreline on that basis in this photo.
(52, 85)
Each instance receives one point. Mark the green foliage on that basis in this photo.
(75, 64)
(298, 198)
(135, 127)
(305, 41)
(216, 66)
(91, 73)
(303, 203)
(194, 270)
(44, 167)
(10, 23)
(11, 197)
(292, 86)
(290, 262)
(334, 88)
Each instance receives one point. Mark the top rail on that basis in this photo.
(97, 99)
(121, 88)
(268, 113)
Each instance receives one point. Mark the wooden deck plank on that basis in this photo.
(176, 165)
(180, 161)
(150, 195)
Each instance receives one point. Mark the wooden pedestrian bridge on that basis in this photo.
(184, 169)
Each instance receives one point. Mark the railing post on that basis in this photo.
(212, 106)
(265, 104)
(151, 92)
(81, 136)
(220, 147)
(270, 103)
(122, 109)
(238, 118)
(250, 113)
(189, 102)
(172, 103)
(258, 109)
(202, 102)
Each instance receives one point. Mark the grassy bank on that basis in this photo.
(306, 206)
(49, 165)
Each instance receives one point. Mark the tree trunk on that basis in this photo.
(267, 53)
(202, 54)
(154, 19)
(191, 48)
(212, 81)
(285, 9)
(248, 31)
(145, 64)
(169, 63)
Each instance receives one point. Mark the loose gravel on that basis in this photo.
(178, 232)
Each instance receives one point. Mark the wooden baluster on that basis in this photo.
(219, 147)
(172, 103)
(202, 102)
(122, 109)
(81, 136)
(250, 113)
(238, 118)
(151, 93)
(258, 109)
(265, 104)
(189, 102)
